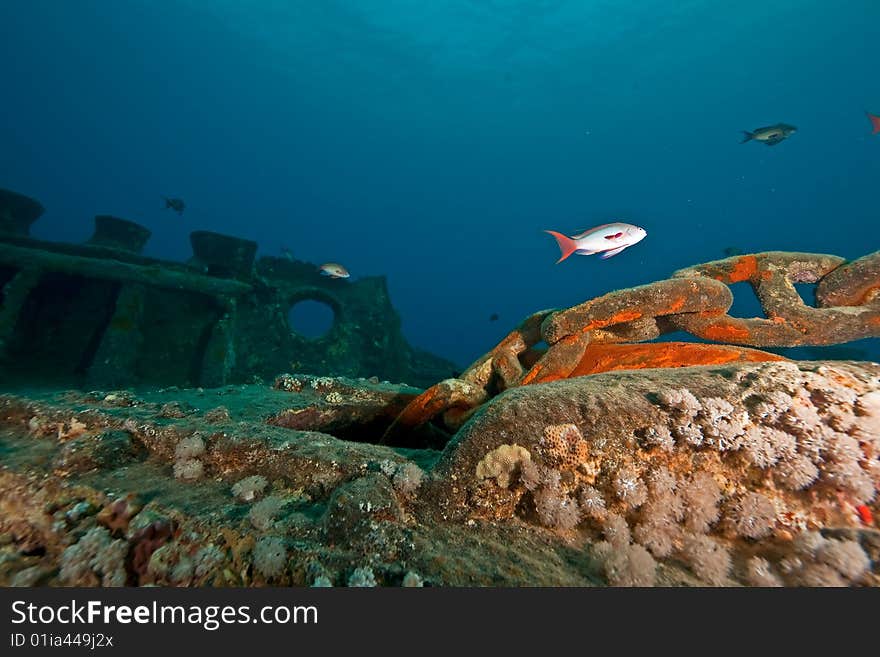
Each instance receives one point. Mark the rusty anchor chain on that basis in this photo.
(845, 310)
(696, 300)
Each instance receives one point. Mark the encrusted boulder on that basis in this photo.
(364, 514)
(97, 451)
(714, 466)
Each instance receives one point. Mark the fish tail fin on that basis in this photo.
(875, 122)
(567, 246)
(747, 136)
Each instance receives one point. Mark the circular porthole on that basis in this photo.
(311, 319)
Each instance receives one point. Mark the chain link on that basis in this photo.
(696, 300)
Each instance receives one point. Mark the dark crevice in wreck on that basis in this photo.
(6, 275)
(366, 429)
(58, 323)
(88, 355)
(201, 351)
(428, 436)
(173, 344)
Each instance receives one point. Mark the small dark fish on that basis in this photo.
(175, 204)
(732, 251)
(770, 135)
(875, 122)
(286, 253)
(493, 317)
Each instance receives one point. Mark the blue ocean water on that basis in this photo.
(432, 142)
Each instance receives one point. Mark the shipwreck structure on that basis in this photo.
(581, 450)
(100, 314)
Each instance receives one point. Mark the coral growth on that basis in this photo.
(362, 577)
(627, 565)
(699, 471)
(407, 478)
(762, 474)
(563, 445)
(270, 556)
(264, 513)
(250, 488)
(818, 561)
(95, 558)
(707, 557)
(554, 506)
(502, 464)
(751, 515)
(759, 572)
(187, 465)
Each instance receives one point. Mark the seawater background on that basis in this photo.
(432, 141)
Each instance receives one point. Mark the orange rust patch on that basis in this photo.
(610, 357)
(619, 318)
(744, 269)
(531, 375)
(430, 401)
(725, 332)
(548, 377)
(539, 374)
(558, 362)
(677, 305)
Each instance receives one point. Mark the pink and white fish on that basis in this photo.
(608, 239)
(333, 270)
